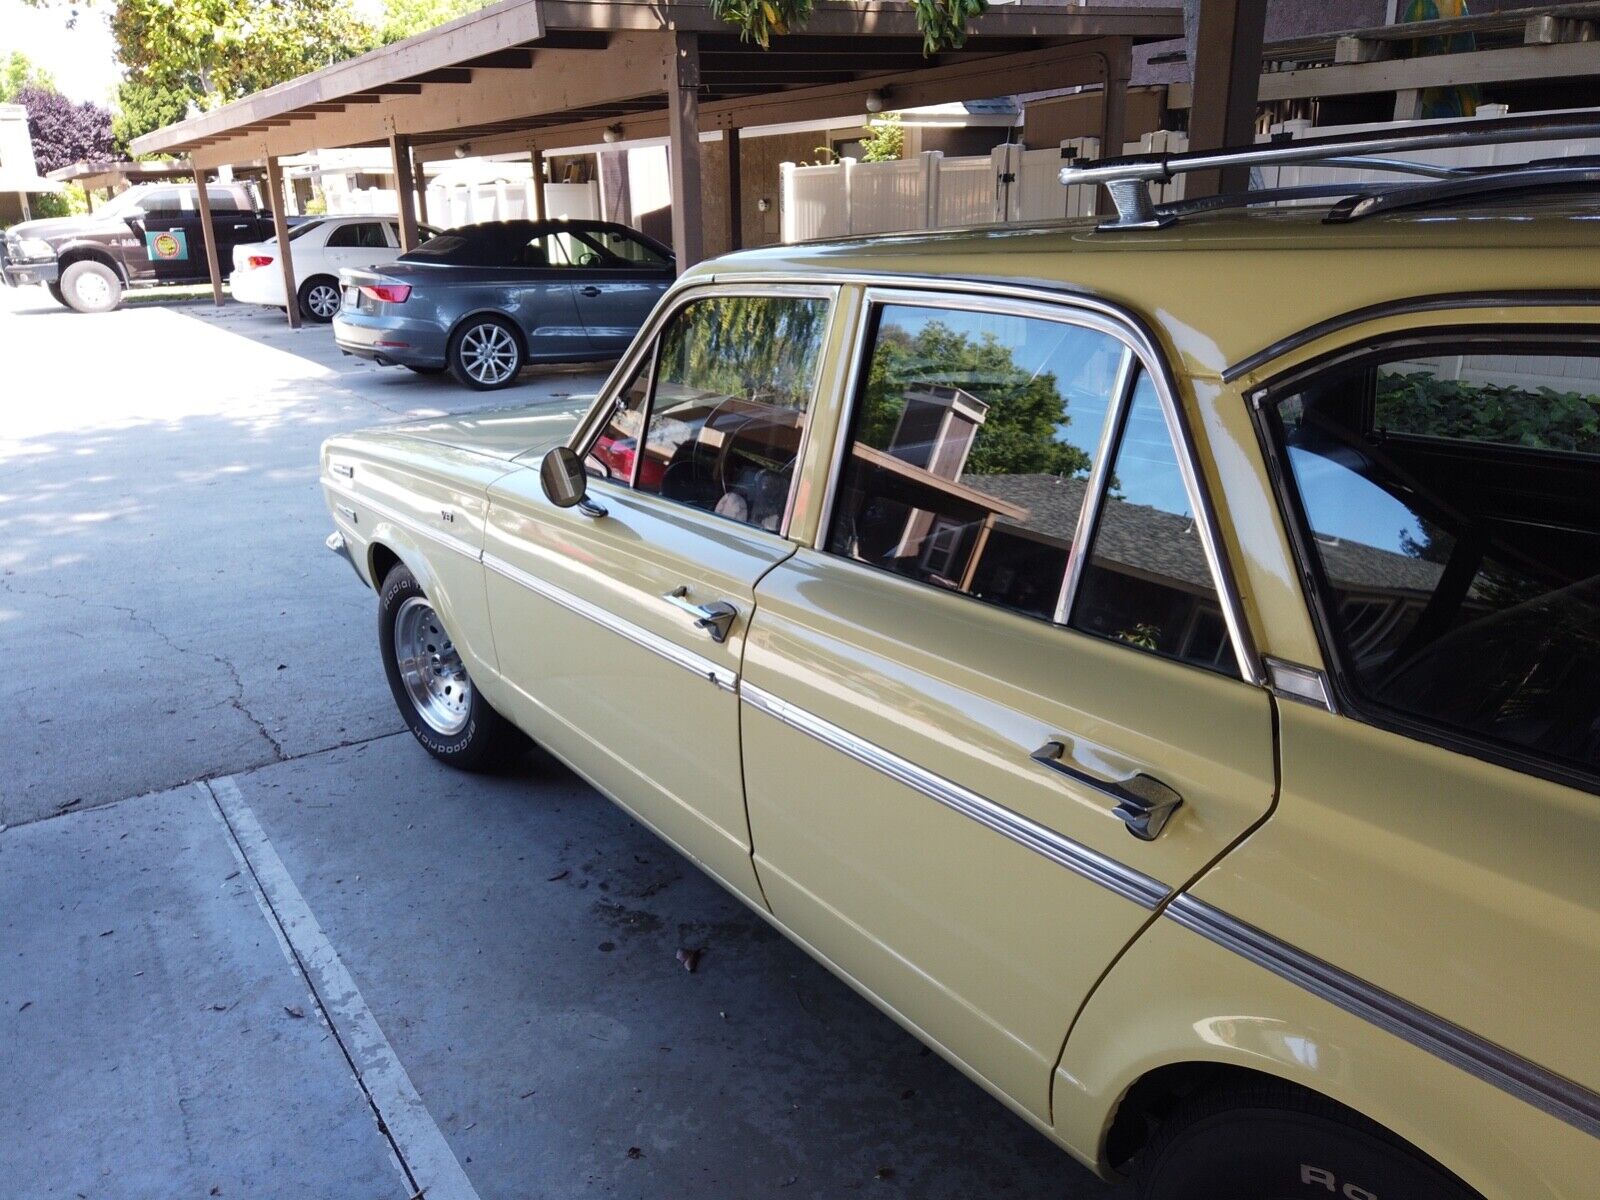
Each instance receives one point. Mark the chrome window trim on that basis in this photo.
(724, 678)
(1072, 308)
(1094, 494)
(1547, 1091)
(1124, 881)
(643, 351)
(448, 541)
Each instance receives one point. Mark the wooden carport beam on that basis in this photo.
(208, 232)
(1225, 38)
(280, 226)
(683, 151)
(405, 191)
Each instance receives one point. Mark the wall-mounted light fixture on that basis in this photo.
(763, 204)
(613, 133)
(875, 101)
(464, 149)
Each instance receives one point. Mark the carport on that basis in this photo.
(541, 75)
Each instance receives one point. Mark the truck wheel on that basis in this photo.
(56, 292)
(1280, 1143)
(319, 299)
(91, 287)
(485, 353)
(437, 700)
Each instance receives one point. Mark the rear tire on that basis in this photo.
(436, 698)
(319, 299)
(486, 354)
(91, 287)
(1281, 1143)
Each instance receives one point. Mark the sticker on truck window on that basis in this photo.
(167, 245)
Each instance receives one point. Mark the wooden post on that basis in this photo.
(735, 192)
(208, 232)
(683, 155)
(1225, 62)
(405, 191)
(536, 158)
(1114, 101)
(291, 293)
(419, 189)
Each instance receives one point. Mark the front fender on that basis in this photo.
(1177, 998)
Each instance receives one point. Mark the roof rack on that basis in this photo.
(1127, 179)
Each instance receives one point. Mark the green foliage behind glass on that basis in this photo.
(1538, 418)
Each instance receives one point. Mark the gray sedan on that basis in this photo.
(483, 301)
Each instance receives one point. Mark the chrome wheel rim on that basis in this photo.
(323, 300)
(430, 668)
(93, 290)
(488, 353)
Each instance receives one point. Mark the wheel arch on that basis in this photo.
(89, 252)
(505, 318)
(1179, 1016)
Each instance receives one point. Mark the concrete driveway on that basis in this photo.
(255, 943)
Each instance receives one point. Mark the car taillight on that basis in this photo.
(259, 260)
(389, 293)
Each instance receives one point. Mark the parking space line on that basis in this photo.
(425, 1157)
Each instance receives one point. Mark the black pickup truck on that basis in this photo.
(147, 236)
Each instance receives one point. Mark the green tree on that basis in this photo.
(943, 22)
(143, 107)
(1021, 433)
(888, 140)
(17, 72)
(406, 18)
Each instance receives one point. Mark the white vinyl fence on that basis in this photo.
(1013, 184)
(460, 204)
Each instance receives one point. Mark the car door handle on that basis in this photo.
(1144, 803)
(589, 290)
(715, 618)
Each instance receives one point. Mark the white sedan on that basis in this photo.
(321, 247)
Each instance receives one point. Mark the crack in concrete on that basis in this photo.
(237, 773)
(236, 701)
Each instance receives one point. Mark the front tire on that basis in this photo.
(436, 698)
(319, 299)
(91, 287)
(1279, 1143)
(486, 354)
(57, 294)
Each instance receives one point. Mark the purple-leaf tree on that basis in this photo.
(64, 132)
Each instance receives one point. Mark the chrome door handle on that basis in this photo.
(1144, 803)
(715, 618)
(590, 290)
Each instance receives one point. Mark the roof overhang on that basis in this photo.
(115, 173)
(556, 73)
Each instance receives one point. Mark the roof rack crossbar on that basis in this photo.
(1125, 178)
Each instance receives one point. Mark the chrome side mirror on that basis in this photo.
(565, 483)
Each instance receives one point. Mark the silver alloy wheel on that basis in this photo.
(92, 289)
(431, 668)
(323, 300)
(488, 353)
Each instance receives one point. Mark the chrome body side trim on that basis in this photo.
(669, 650)
(1511, 1073)
(1097, 868)
(448, 541)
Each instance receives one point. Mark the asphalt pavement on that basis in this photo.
(255, 943)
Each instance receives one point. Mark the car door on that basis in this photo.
(162, 232)
(535, 280)
(994, 715)
(620, 625)
(619, 279)
(354, 244)
(234, 224)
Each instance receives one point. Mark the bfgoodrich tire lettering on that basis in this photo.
(474, 739)
(1280, 1143)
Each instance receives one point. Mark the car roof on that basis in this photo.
(1218, 287)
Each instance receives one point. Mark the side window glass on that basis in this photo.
(223, 199)
(1146, 582)
(163, 203)
(615, 452)
(970, 450)
(733, 384)
(363, 234)
(1453, 505)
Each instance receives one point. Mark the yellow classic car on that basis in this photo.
(1158, 667)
